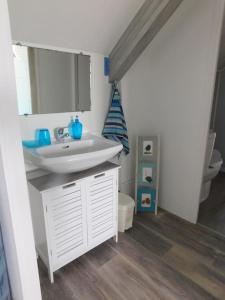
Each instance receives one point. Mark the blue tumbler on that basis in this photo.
(42, 136)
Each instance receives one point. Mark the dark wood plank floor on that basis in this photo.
(212, 210)
(161, 257)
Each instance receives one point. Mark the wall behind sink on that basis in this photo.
(92, 121)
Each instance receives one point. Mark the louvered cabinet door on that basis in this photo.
(102, 193)
(66, 222)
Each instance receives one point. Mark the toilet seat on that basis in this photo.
(216, 157)
(211, 172)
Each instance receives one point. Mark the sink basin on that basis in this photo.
(73, 155)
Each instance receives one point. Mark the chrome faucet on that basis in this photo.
(61, 133)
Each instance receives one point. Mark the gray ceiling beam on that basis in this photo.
(148, 21)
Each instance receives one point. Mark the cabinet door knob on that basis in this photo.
(69, 185)
(99, 175)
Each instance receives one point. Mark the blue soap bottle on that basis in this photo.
(70, 127)
(77, 129)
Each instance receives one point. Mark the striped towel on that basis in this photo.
(115, 125)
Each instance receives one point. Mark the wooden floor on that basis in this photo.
(161, 257)
(212, 211)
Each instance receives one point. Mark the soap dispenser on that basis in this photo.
(77, 129)
(70, 126)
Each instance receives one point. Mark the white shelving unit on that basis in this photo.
(147, 173)
(73, 213)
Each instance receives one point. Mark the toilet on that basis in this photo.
(213, 163)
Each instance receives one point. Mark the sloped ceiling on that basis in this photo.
(88, 25)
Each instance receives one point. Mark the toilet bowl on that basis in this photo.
(211, 172)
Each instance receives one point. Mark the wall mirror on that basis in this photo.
(50, 81)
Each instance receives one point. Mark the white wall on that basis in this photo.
(219, 116)
(93, 26)
(14, 204)
(168, 91)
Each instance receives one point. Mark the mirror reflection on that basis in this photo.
(50, 81)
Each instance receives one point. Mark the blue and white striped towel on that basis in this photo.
(115, 125)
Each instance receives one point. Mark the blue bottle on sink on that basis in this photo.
(75, 129)
(70, 127)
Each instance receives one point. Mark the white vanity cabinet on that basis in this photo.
(65, 219)
(73, 213)
(102, 207)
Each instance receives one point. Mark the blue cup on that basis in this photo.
(42, 136)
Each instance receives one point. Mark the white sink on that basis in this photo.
(73, 155)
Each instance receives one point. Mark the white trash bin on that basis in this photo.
(125, 212)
